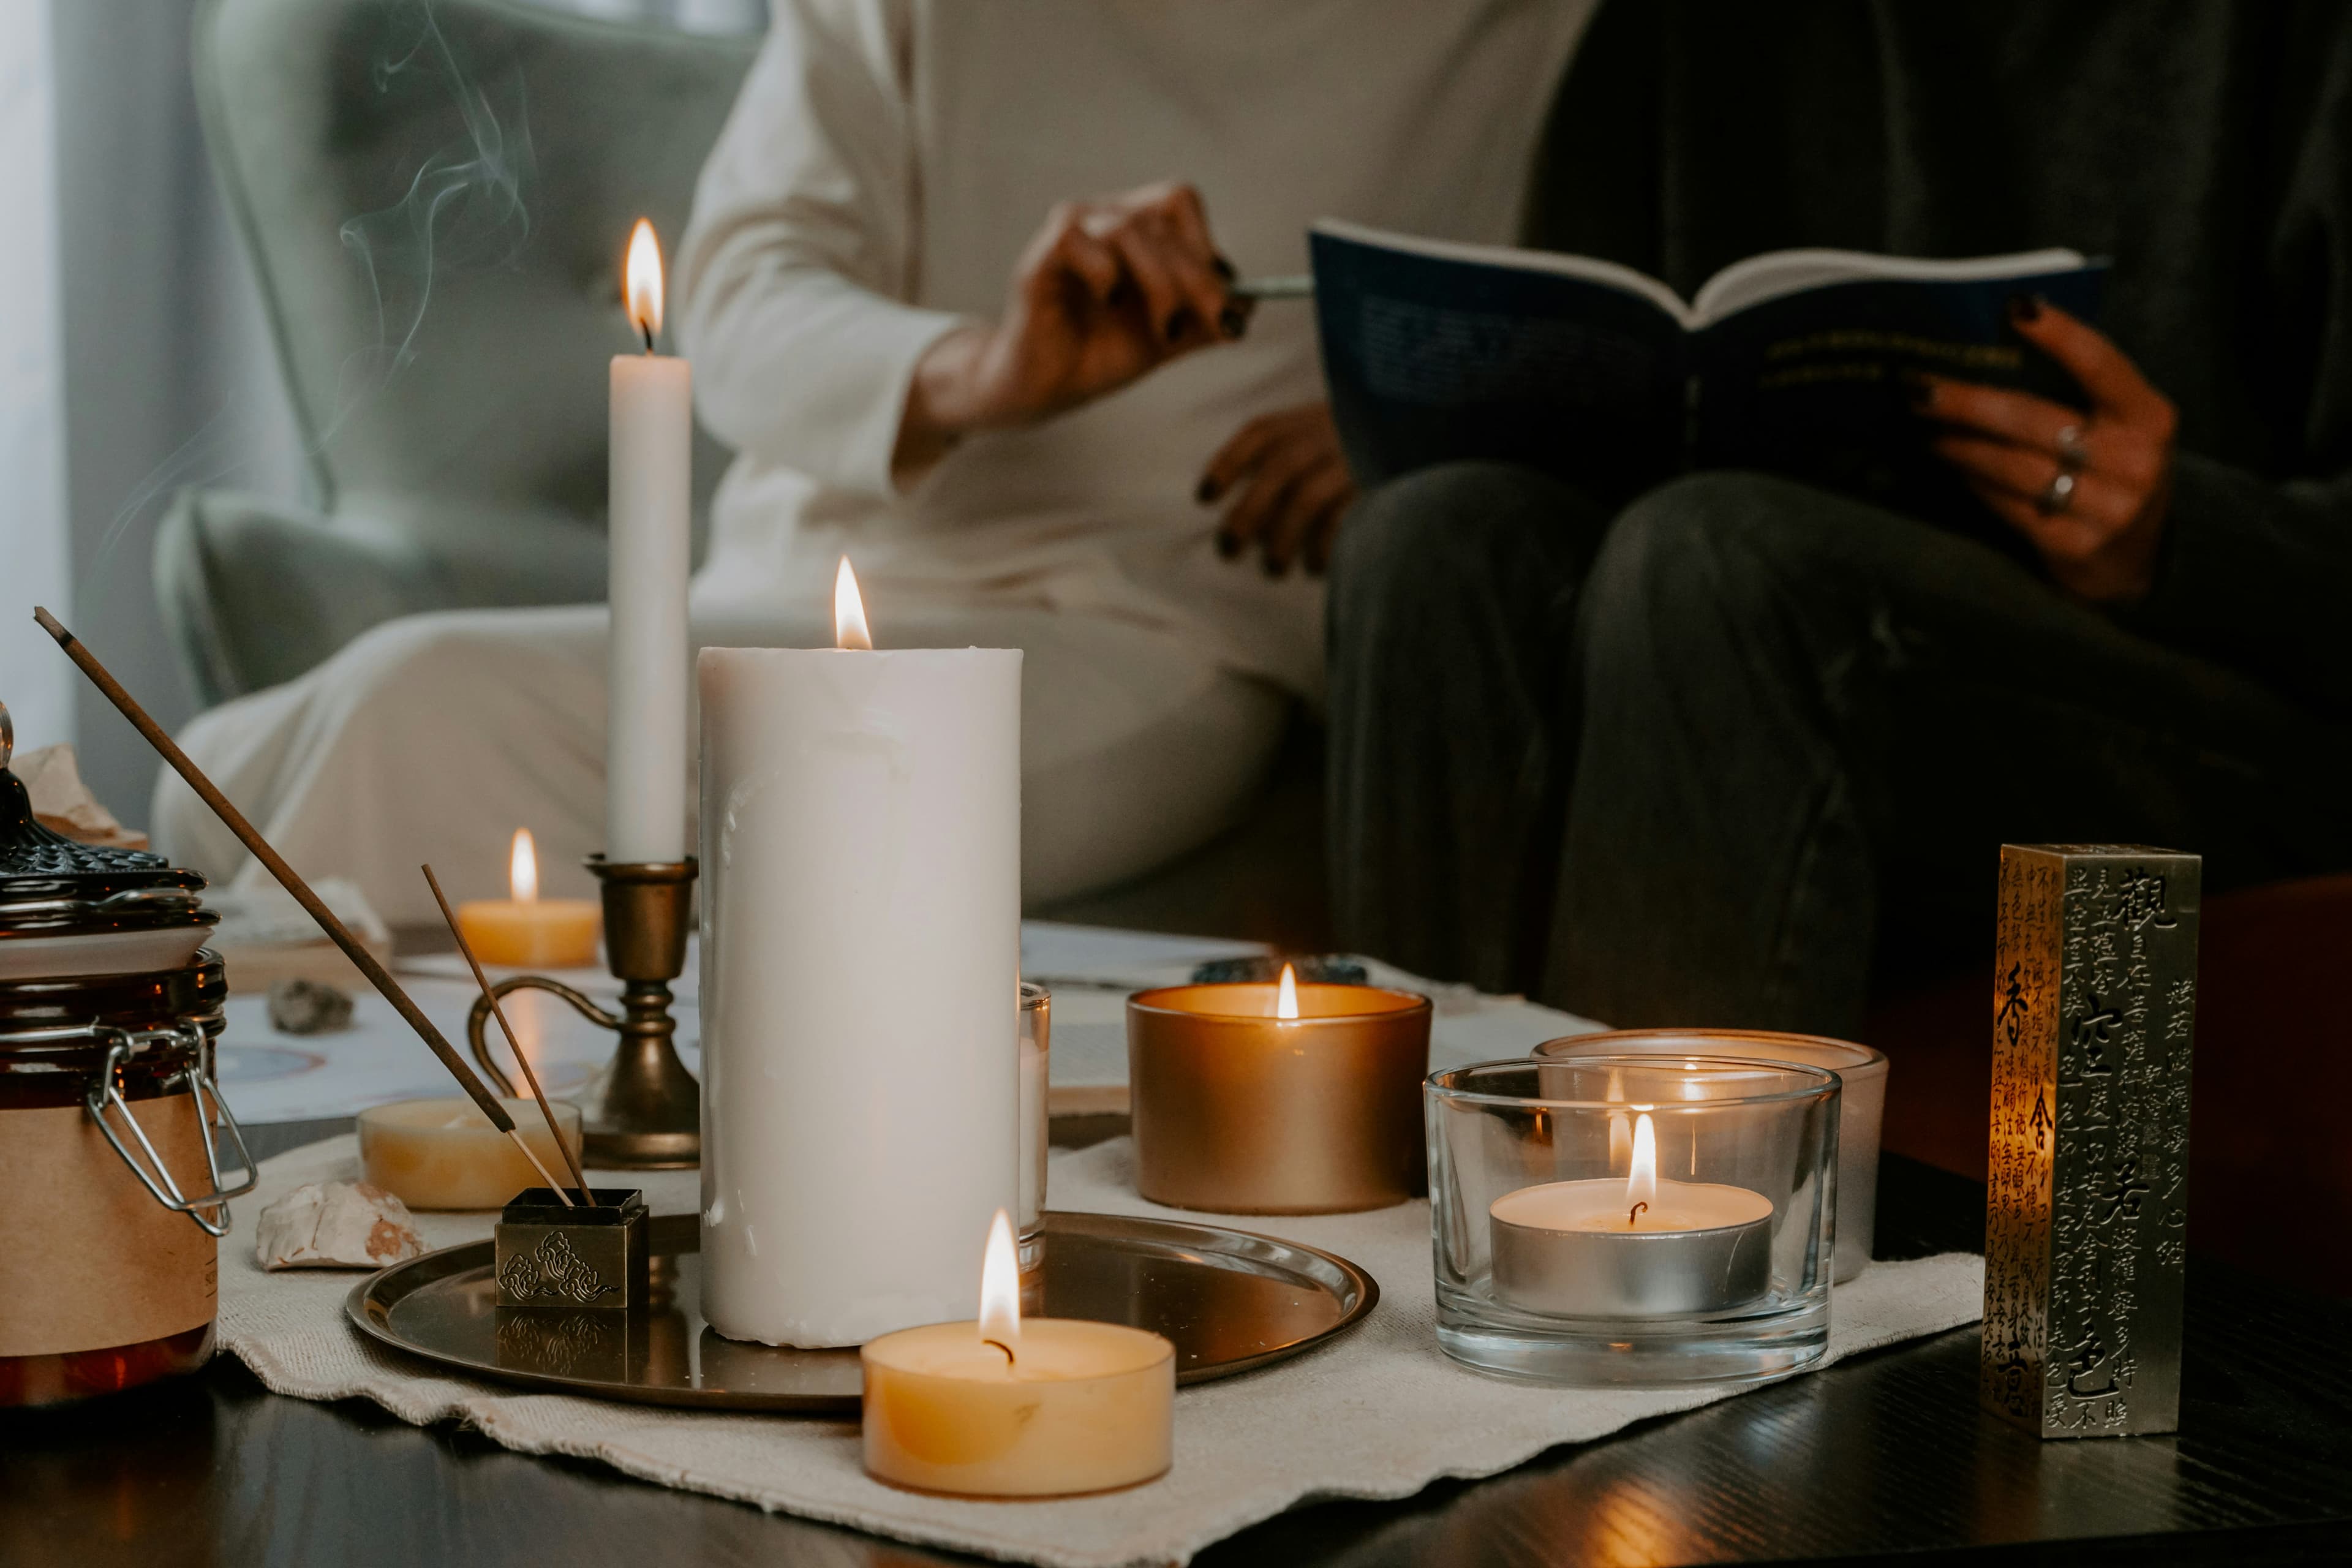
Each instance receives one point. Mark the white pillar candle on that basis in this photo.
(861, 951)
(650, 500)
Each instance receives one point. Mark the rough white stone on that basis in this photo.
(336, 1225)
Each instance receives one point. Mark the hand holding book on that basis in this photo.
(1290, 485)
(1795, 362)
(2088, 490)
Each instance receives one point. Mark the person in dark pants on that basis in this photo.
(1696, 758)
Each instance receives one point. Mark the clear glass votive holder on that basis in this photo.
(1862, 1102)
(1629, 1220)
(1036, 1055)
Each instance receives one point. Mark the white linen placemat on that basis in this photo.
(1380, 1414)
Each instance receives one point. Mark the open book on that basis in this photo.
(1796, 361)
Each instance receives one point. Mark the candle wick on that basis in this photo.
(645, 330)
(1000, 1344)
(1632, 1214)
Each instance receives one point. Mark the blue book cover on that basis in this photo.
(1798, 362)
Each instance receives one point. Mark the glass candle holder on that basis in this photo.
(1036, 1057)
(1632, 1220)
(1862, 1100)
(1241, 1107)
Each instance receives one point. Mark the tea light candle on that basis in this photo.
(1640, 1247)
(445, 1154)
(1000, 1408)
(527, 930)
(1283, 1099)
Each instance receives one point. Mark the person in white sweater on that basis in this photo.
(954, 289)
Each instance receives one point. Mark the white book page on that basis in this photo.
(1779, 272)
(1609, 274)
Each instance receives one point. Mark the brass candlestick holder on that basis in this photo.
(650, 1118)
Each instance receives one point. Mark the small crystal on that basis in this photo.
(307, 1007)
(336, 1225)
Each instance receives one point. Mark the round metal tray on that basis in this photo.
(1228, 1299)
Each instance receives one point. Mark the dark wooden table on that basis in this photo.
(1884, 1453)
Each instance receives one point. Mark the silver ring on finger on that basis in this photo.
(2057, 495)
(2074, 451)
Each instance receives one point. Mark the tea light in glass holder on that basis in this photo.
(1002, 1408)
(1282, 1098)
(1862, 1097)
(1631, 1220)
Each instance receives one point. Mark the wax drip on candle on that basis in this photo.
(1642, 1184)
(643, 285)
(849, 611)
(999, 1289)
(1285, 998)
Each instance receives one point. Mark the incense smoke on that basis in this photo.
(464, 208)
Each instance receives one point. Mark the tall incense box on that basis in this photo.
(2095, 1003)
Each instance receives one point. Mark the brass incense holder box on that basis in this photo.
(2094, 1006)
(584, 1255)
(1238, 1111)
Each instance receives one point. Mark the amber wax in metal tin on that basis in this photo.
(1239, 1112)
(2094, 1006)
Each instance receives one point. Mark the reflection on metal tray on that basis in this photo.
(1229, 1301)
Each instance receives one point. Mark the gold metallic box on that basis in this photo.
(2094, 1008)
(584, 1255)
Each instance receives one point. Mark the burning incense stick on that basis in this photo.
(579, 1177)
(365, 961)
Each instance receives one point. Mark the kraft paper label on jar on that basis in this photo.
(100, 1262)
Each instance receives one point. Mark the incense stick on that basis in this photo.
(571, 1161)
(553, 1185)
(364, 961)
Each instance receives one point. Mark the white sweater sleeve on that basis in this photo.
(801, 252)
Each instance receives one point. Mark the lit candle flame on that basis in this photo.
(848, 611)
(1285, 998)
(1000, 1289)
(522, 868)
(1641, 1186)
(643, 289)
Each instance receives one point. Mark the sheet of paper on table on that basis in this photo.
(270, 1077)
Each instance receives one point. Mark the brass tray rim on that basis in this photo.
(369, 1306)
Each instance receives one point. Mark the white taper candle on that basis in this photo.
(651, 499)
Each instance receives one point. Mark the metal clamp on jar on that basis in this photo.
(111, 1122)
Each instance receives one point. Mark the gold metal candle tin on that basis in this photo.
(1237, 1111)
